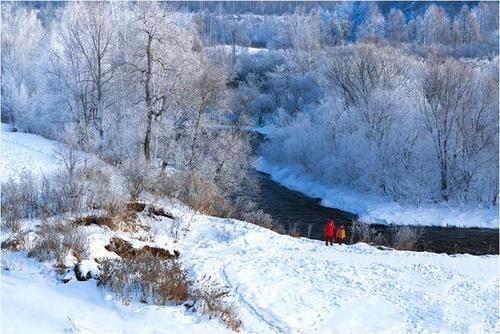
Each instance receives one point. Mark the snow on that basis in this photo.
(286, 284)
(373, 208)
(25, 152)
(239, 49)
(33, 301)
(279, 284)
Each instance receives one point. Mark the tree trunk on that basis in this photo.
(148, 99)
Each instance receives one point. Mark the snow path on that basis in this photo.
(301, 286)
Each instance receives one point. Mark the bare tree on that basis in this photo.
(477, 133)
(359, 70)
(163, 55)
(444, 89)
(209, 90)
(84, 61)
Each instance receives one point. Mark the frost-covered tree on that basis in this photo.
(358, 70)
(436, 25)
(305, 35)
(374, 24)
(83, 63)
(163, 57)
(22, 40)
(444, 89)
(395, 29)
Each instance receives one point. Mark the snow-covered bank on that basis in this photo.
(373, 208)
(33, 301)
(280, 284)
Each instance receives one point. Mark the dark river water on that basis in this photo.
(305, 215)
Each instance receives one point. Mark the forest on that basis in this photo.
(394, 98)
(249, 166)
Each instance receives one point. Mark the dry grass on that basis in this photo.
(95, 220)
(365, 233)
(157, 280)
(406, 237)
(56, 241)
(124, 249)
(211, 299)
(19, 200)
(9, 263)
(17, 242)
(147, 278)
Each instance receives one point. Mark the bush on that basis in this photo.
(137, 172)
(56, 241)
(204, 196)
(152, 279)
(246, 210)
(147, 277)
(101, 193)
(59, 193)
(406, 237)
(19, 200)
(211, 299)
(16, 242)
(365, 233)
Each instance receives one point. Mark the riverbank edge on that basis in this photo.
(377, 209)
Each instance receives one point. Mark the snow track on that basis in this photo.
(289, 285)
(274, 325)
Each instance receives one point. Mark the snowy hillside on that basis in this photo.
(25, 152)
(278, 283)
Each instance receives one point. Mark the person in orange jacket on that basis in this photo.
(329, 231)
(341, 234)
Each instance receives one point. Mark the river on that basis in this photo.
(294, 210)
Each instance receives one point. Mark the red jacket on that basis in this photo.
(329, 228)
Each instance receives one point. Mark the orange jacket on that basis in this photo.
(341, 234)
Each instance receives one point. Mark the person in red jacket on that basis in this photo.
(341, 234)
(329, 229)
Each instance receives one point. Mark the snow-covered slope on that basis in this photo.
(279, 284)
(33, 301)
(373, 208)
(284, 284)
(25, 152)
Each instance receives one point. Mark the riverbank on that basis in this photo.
(279, 284)
(375, 209)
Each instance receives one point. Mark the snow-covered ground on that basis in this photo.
(33, 301)
(239, 49)
(279, 284)
(25, 152)
(372, 208)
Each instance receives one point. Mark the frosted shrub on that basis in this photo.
(246, 210)
(56, 241)
(365, 233)
(20, 199)
(212, 299)
(203, 195)
(406, 237)
(101, 193)
(147, 278)
(136, 173)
